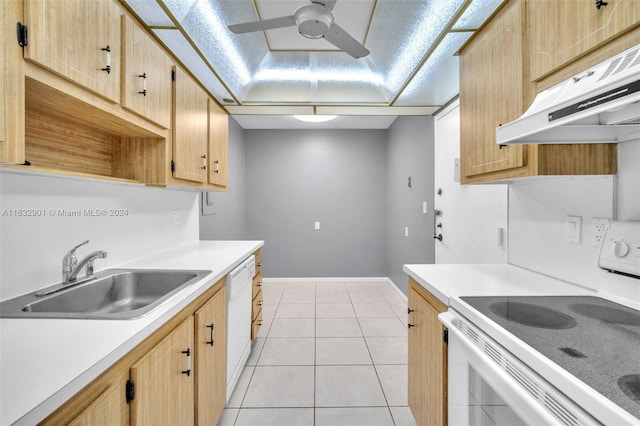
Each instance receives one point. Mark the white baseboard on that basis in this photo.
(341, 279)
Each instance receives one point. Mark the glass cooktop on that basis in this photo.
(596, 340)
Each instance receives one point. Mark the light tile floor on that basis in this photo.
(328, 354)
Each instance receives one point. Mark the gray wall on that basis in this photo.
(225, 219)
(409, 154)
(354, 182)
(336, 177)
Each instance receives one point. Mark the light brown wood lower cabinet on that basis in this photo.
(163, 392)
(427, 358)
(256, 296)
(211, 359)
(164, 381)
(108, 409)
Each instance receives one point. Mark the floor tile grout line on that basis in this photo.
(315, 363)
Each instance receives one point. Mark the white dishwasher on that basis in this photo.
(239, 289)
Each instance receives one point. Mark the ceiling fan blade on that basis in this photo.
(329, 4)
(265, 24)
(343, 40)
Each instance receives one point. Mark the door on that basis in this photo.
(146, 75)
(77, 39)
(11, 85)
(565, 30)
(109, 409)
(190, 128)
(164, 381)
(218, 144)
(211, 359)
(492, 93)
(427, 360)
(467, 238)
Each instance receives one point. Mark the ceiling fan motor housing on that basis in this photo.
(314, 20)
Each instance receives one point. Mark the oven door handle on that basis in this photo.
(521, 402)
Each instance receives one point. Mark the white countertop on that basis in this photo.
(44, 362)
(445, 281)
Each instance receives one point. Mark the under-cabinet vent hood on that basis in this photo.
(599, 105)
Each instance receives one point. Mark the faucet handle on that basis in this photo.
(69, 261)
(73, 250)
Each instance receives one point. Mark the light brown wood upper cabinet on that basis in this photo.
(146, 75)
(491, 93)
(190, 129)
(218, 145)
(211, 359)
(427, 358)
(77, 39)
(164, 381)
(11, 85)
(495, 88)
(565, 30)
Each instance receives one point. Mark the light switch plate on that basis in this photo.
(573, 229)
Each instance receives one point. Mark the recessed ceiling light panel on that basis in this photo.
(314, 118)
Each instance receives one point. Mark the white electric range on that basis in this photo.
(547, 360)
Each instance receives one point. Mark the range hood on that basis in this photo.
(599, 105)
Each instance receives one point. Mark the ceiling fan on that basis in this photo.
(314, 21)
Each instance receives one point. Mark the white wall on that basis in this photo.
(31, 248)
(537, 214)
(471, 214)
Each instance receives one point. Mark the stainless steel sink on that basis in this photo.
(113, 294)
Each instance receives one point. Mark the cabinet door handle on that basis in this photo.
(188, 354)
(217, 166)
(210, 327)
(143, 76)
(204, 162)
(260, 303)
(409, 311)
(259, 284)
(107, 51)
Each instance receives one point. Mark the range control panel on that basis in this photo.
(620, 249)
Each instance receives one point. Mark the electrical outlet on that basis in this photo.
(598, 226)
(316, 226)
(406, 231)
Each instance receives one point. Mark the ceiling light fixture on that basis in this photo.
(314, 118)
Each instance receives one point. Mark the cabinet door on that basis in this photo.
(164, 381)
(77, 39)
(218, 144)
(11, 85)
(146, 75)
(190, 128)
(491, 93)
(211, 359)
(427, 361)
(565, 30)
(109, 409)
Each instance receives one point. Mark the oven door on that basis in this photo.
(489, 386)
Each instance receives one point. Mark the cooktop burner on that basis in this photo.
(595, 340)
(532, 315)
(606, 313)
(630, 385)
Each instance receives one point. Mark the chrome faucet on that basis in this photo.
(71, 267)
